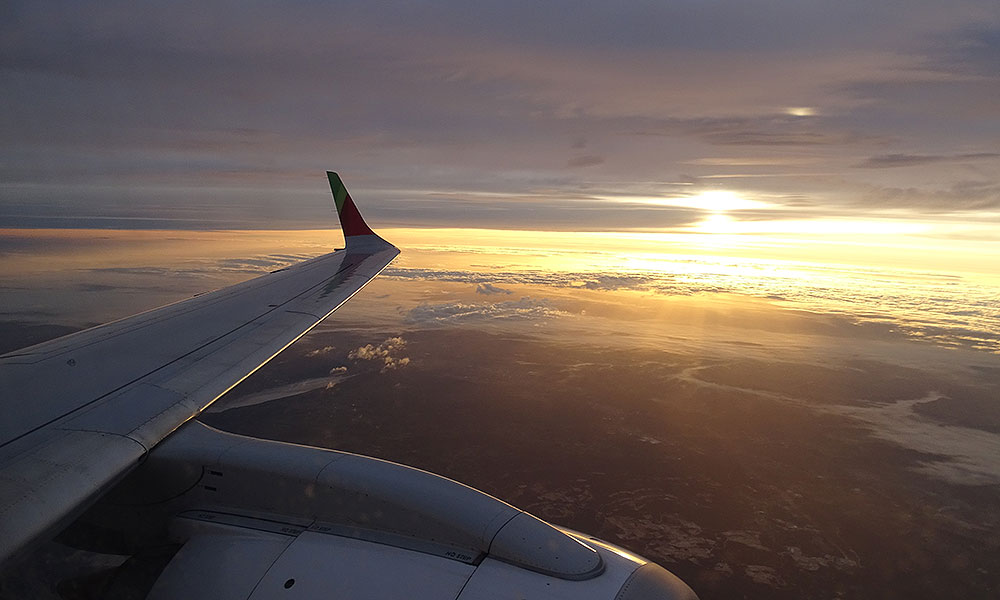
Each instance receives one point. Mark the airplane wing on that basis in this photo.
(253, 519)
(82, 411)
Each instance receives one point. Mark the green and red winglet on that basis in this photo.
(350, 218)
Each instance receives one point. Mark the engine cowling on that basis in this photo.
(260, 519)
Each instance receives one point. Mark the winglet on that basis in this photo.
(350, 219)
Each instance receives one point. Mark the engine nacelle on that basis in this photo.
(261, 519)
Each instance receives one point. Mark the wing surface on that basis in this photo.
(83, 410)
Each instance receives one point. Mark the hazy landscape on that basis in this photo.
(753, 443)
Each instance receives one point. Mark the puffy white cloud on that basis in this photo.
(387, 353)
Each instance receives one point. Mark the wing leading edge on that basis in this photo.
(83, 410)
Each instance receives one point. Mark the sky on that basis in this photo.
(787, 188)
(867, 121)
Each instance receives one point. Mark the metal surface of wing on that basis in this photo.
(83, 410)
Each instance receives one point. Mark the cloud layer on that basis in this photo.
(949, 310)
(509, 111)
(525, 309)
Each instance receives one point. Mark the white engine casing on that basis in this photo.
(259, 519)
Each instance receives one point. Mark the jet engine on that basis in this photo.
(257, 519)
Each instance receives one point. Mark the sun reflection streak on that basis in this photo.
(709, 200)
(722, 223)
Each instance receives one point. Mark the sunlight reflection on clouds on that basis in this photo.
(947, 311)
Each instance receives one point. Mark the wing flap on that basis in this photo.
(44, 489)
